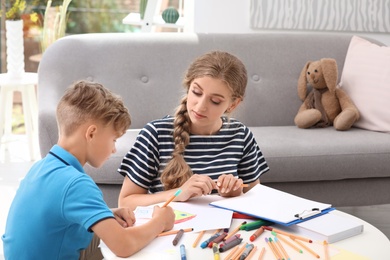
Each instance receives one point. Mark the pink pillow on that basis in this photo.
(366, 79)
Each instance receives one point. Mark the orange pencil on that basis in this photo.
(272, 249)
(279, 244)
(228, 257)
(201, 233)
(172, 198)
(234, 231)
(261, 253)
(288, 242)
(239, 252)
(305, 247)
(288, 234)
(277, 251)
(173, 232)
(326, 250)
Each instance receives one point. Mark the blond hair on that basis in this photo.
(216, 64)
(84, 101)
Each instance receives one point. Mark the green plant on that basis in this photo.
(17, 9)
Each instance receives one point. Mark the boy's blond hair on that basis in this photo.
(85, 101)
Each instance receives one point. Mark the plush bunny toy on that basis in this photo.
(326, 104)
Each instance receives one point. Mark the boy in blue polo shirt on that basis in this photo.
(58, 207)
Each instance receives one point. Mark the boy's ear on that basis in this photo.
(91, 131)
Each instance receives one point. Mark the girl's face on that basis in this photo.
(208, 99)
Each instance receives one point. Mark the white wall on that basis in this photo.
(233, 16)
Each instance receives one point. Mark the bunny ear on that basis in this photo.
(302, 82)
(329, 70)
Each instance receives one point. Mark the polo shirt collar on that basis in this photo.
(67, 157)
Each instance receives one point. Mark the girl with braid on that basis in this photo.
(201, 150)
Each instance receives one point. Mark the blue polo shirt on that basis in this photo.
(53, 210)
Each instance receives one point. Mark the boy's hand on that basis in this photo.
(165, 215)
(228, 183)
(124, 216)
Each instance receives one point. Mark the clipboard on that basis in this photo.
(274, 205)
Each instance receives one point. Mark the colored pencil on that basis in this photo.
(201, 233)
(173, 232)
(305, 247)
(172, 198)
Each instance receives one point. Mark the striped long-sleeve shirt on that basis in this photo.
(233, 150)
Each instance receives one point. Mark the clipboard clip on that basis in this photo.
(307, 213)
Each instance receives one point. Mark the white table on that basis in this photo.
(26, 86)
(371, 244)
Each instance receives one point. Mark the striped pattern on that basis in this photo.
(231, 151)
(321, 15)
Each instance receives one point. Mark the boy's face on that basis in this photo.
(101, 145)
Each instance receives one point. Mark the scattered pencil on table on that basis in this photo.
(232, 252)
(261, 253)
(235, 230)
(287, 242)
(326, 252)
(174, 232)
(277, 251)
(239, 252)
(288, 234)
(283, 251)
(306, 248)
(172, 198)
(201, 233)
(178, 237)
(272, 249)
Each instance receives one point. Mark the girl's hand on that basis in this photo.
(124, 216)
(229, 186)
(196, 186)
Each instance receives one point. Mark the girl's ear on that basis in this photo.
(233, 105)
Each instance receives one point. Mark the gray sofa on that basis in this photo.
(342, 168)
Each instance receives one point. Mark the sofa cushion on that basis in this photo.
(322, 154)
(366, 79)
